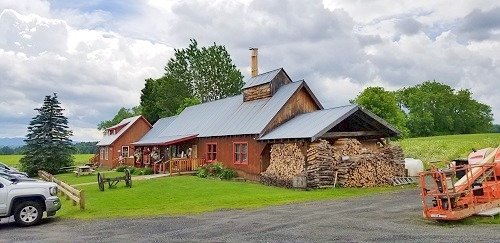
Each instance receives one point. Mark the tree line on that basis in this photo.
(429, 109)
(79, 148)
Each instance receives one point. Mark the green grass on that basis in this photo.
(183, 195)
(13, 160)
(72, 179)
(446, 148)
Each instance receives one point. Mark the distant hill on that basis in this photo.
(11, 142)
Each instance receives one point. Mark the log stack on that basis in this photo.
(348, 164)
(320, 165)
(287, 161)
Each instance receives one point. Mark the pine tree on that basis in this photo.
(48, 143)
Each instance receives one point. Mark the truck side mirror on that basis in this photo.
(1, 185)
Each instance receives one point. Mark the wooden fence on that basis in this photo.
(77, 196)
(185, 165)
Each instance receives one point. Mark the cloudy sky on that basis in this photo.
(96, 53)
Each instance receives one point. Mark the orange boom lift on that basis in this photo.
(462, 190)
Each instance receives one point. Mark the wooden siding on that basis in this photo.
(278, 81)
(300, 102)
(257, 92)
(133, 134)
(225, 154)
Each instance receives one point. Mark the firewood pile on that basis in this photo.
(347, 164)
(287, 161)
(320, 165)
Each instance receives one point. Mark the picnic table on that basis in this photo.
(83, 170)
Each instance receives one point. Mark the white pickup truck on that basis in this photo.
(26, 200)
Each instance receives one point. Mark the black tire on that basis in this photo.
(100, 181)
(28, 213)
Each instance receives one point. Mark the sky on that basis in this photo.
(96, 54)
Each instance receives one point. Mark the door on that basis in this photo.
(3, 197)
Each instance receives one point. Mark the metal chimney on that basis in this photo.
(255, 65)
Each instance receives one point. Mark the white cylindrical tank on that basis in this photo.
(413, 166)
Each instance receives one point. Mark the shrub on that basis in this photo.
(147, 171)
(202, 172)
(227, 174)
(121, 168)
(216, 170)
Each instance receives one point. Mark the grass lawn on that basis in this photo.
(446, 148)
(182, 195)
(72, 179)
(13, 160)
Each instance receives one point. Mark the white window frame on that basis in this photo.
(101, 153)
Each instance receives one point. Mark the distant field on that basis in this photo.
(446, 148)
(13, 160)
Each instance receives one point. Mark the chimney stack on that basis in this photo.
(255, 65)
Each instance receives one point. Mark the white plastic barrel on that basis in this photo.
(413, 166)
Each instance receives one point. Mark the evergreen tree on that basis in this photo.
(48, 144)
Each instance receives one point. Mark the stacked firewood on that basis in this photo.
(320, 165)
(287, 161)
(346, 163)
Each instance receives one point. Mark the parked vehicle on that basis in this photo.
(6, 167)
(26, 200)
(15, 173)
(9, 176)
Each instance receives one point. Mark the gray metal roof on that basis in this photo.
(109, 139)
(261, 78)
(310, 125)
(153, 135)
(230, 116)
(314, 124)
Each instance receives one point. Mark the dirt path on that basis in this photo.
(386, 217)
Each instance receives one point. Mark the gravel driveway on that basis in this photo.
(386, 217)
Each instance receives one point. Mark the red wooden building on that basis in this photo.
(114, 148)
(238, 131)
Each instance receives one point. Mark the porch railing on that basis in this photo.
(185, 165)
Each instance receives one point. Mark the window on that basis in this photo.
(101, 154)
(211, 152)
(125, 152)
(240, 153)
(106, 153)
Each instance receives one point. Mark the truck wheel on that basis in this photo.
(28, 213)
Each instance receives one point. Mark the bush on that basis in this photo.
(227, 174)
(121, 168)
(147, 171)
(202, 172)
(216, 170)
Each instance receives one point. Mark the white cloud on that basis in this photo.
(94, 71)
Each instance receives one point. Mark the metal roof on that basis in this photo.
(166, 140)
(153, 135)
(230, 116)
(261, 78)
(310, 125)
(127, 123)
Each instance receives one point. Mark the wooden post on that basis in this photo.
(170, 166)
(82, 200)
